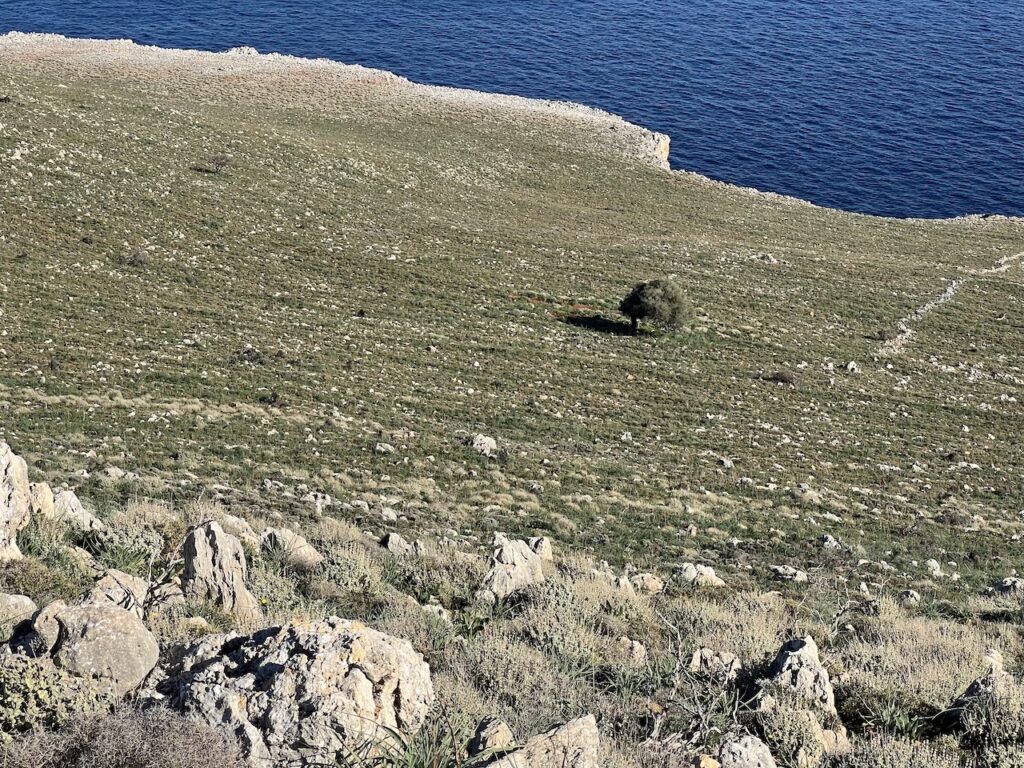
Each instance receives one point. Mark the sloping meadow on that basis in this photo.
(302, 294)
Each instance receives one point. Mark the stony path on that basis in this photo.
(899, 343)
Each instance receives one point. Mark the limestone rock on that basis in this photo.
(799, 668)
(484, 445)
(93, 641)
(15, 501)
(647, 583)
(699, 576)
(121, 589)
(722, 666)
(241, 530)
(304, 693)
(934, 569)
(492, 734)
(747, 752)
(633, 651)
(14, 609)
(542, 546)
(215, 571)
(577, 744)
(396, 544)
(908, 598)
(788, 573)
(514, 567)
(68, 509)
(297, 552)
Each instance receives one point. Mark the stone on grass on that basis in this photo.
(788, 573)
(305, 693)
(577, 744)
(396, 544)
(514, 567)
(296, 551)
(699, 576)
(484, 445)
(798, 668)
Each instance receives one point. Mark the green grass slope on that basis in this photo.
(379, 265)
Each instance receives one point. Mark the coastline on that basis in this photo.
(630, 140)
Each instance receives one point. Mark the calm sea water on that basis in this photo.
(898, 107)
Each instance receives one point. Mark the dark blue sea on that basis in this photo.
(897, 107)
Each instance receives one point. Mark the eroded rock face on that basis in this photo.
(121, 589)
(515, 566)
(748, 752)
(577, 744)
(305, 694)
(799, 668)
(15, 501)
(293, 547)
(14, 609)
(215, 571)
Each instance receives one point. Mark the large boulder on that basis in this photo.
(514, 567)
(215, 571)
(93, 641)
(305, 694)
(798, 668)
(15, 501)
(577, 744)
(292, 548)
(747, 752)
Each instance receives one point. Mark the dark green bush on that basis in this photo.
(658, 301)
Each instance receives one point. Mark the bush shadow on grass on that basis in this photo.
(600, 324)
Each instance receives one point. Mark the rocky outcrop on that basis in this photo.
(15, 501)
(542, 546)
(798, 668)
(514, 567)
(93, 641)
(304, 694)
(292, 548)
(215, 571)
(747, 752)
(577, 744)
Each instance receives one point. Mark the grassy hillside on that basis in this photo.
(378, 266)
